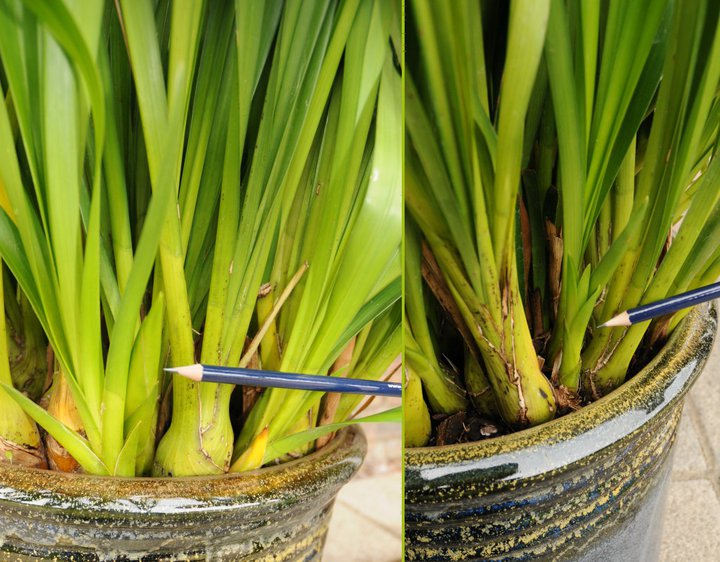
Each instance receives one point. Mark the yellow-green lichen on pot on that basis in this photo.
(275, 514)
(589, 486)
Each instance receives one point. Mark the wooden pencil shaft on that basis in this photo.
(275, 379)
(673, 304)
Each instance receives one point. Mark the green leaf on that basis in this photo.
(125, 464)
(290, 443)
(604, 271)
(526, 35)
(370, 310)
(76, 445)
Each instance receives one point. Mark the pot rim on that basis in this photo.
(348, 446)
(659, 385)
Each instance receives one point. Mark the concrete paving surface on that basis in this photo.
(366, 525)
(691, 528)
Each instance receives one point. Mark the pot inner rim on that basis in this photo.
(662, 382)
(348, 446)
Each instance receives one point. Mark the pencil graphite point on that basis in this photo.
(193, 372)
(622, 319)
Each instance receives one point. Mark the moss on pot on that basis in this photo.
(276, 513)
(581, 487)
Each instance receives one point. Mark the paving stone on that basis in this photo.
(354, 538)
(692, 523)
(378, 499)
(366, 525)
(692, 518)
(706, 397)
(384, 450)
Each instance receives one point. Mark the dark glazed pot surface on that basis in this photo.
(276, 513)
(586, 486)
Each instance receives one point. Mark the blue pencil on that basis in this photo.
(254, 377)
(665, 306)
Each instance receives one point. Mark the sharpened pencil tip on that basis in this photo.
(622, 319)
(193, 372)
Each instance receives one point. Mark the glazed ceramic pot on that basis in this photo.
(278, 513)
(589, 486)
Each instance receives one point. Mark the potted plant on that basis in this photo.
(559, 169)
(184, 182)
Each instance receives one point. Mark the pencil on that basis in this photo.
(254, 377)
(665, 306)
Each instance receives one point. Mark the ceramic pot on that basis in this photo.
(277, 513)
(589, 486)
